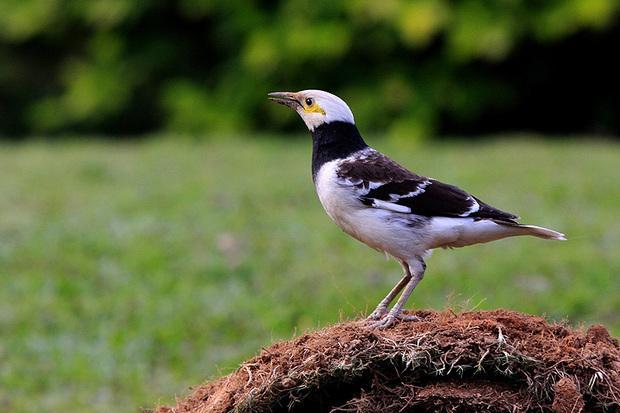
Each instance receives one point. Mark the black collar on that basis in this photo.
(334, 140)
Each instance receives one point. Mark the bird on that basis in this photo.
(387, 207)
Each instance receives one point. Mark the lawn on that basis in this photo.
(130, 271)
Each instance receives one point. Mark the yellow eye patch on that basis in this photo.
(314, 108)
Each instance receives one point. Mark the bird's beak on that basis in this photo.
(285, 98)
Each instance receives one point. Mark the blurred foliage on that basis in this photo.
(129, 66)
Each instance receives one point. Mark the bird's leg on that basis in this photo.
(382, 308)
(396, 311)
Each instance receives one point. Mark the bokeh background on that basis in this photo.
(158, 223)
(126, 67)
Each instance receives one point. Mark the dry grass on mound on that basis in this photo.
(492, 361)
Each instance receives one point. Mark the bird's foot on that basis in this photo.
(391, 318)
(378, 314)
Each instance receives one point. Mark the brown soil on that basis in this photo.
(490, 361)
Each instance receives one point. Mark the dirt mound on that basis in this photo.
(495, 361)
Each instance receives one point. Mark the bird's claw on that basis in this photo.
(378, 313)
(391, 318)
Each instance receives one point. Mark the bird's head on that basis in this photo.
(315, 107)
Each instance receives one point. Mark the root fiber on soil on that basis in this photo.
(488, 361)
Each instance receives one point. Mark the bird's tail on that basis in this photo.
(539, 232)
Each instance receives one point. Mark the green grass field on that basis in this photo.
(130, 271)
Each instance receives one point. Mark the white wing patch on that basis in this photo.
(390, 206)
(359, 183)
(475, 207)
(420, 190)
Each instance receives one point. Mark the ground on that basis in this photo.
(131, 271)
(489, 361)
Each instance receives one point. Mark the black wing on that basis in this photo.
(383, 183)
(433, 198)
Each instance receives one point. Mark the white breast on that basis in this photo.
(339, 201)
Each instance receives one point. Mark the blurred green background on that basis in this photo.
(158, 222)
(423, 66)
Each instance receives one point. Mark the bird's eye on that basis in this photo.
(309, 101)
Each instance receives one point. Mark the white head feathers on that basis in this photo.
(315, 107)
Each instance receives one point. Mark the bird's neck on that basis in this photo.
(332, 141)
